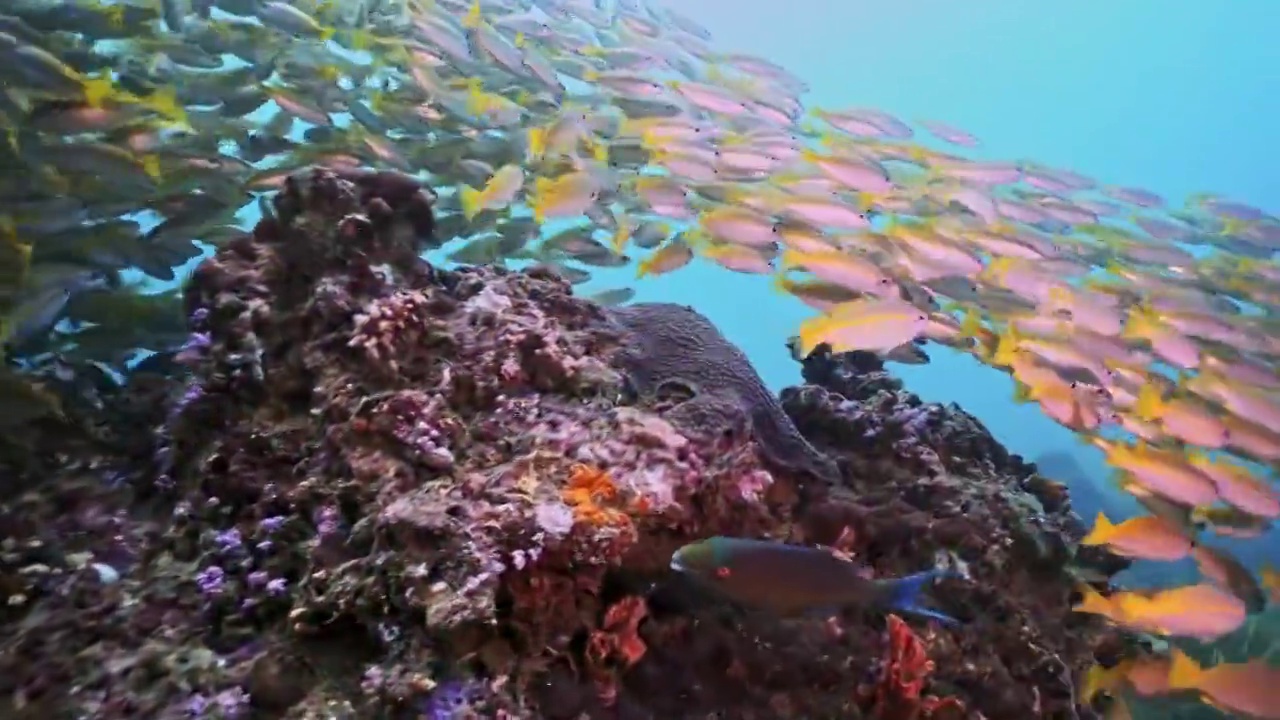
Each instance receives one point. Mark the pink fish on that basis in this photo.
(1048, 183)
(1019, 211)
(980, 173)
(709, 98)
(1160, 228)
(823, 213)
(974, 200)
(1067, 212)
(950, 134)
(1135, 196)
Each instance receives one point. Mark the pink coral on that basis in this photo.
(388, 328)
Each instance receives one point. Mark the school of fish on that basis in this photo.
(140, 134)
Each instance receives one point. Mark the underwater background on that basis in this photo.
(1176, 98)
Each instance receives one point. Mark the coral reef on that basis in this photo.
(385, 490)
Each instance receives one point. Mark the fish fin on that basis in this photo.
(537, 142)
(1102, 528)
(1021, 392)
(812, 333)
(1184, 673)
(470, 199)
(471, 20)
(780, 283)
(904, 595)
(1150, 403)
(1099, 679)
(791, 258)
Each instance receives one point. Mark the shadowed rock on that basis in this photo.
(675, 349)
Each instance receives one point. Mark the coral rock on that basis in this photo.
(387, 490)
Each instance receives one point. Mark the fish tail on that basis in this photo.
(791, 258)
(469, 198)
(1102, 528)
(1022, 392)
(1091, 601)
(780, 282)
(537, 142)
(904, 595)
(1184, 673)
(1099, 679)
(471, 20)
(812, 333)
(1150, 403)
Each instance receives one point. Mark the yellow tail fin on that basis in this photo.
(1101, 532)
(1150, 403)
(1099, 679)
(470, 199)
(1184, 673)
(471, 20)
(1091, 601)
(537, 142)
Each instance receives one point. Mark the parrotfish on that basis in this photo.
(794, 579)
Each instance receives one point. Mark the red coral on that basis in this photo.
(903, 676)
(616, 646)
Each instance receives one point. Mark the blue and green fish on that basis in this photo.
(794, 579)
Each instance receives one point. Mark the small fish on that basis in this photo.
(793, 579)
(1148, 538)
(876, 325)
(1229, 574)
(290, 20)
(501, 189)
(907, 354)
(563, 197)
(614, 297)
(1247, 688)
(672, 256)
(1230, 522)
(1146, 676)
(1199, 611)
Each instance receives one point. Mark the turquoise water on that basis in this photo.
(1175, 97)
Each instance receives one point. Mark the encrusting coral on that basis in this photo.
(386, 490)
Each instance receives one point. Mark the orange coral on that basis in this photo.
(616, 645)
(906, 670)
(592, 493)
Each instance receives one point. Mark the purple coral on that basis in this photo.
(211, 580)
(419, 423)
(453, 700)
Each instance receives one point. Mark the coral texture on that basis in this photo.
(384, 490)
